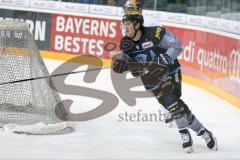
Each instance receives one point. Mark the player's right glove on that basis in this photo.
(119, 63)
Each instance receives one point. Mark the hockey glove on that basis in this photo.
(119, 63)
(154, 73)
(136, 68)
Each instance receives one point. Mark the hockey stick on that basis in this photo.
(56, 75)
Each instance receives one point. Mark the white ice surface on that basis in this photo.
(108, 138)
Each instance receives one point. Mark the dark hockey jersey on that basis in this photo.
(148, 49)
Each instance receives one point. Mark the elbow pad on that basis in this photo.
(172, 44)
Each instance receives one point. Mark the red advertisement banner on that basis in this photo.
(211, 57)
(84, 35)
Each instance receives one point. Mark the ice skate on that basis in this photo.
(187, 140)
(169, 120)
(209, 138)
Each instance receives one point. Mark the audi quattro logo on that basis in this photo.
(146, 45)
(234, 66)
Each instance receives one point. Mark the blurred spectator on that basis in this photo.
(111, 2)
(83, 1)
(120, 3)
(89, 1)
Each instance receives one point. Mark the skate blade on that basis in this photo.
(216, 144)
(189, 149)
(169, 124)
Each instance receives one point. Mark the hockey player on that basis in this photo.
(150, 53)
(135, 5)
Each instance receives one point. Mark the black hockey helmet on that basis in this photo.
(135, 17)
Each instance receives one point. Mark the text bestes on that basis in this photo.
(83, 35)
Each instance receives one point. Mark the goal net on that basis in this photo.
(27, 106)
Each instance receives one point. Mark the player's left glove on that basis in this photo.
(153, 73)
(155, 76)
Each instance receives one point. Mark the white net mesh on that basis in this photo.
(27, 102)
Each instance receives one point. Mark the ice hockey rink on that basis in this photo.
(111, 137)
